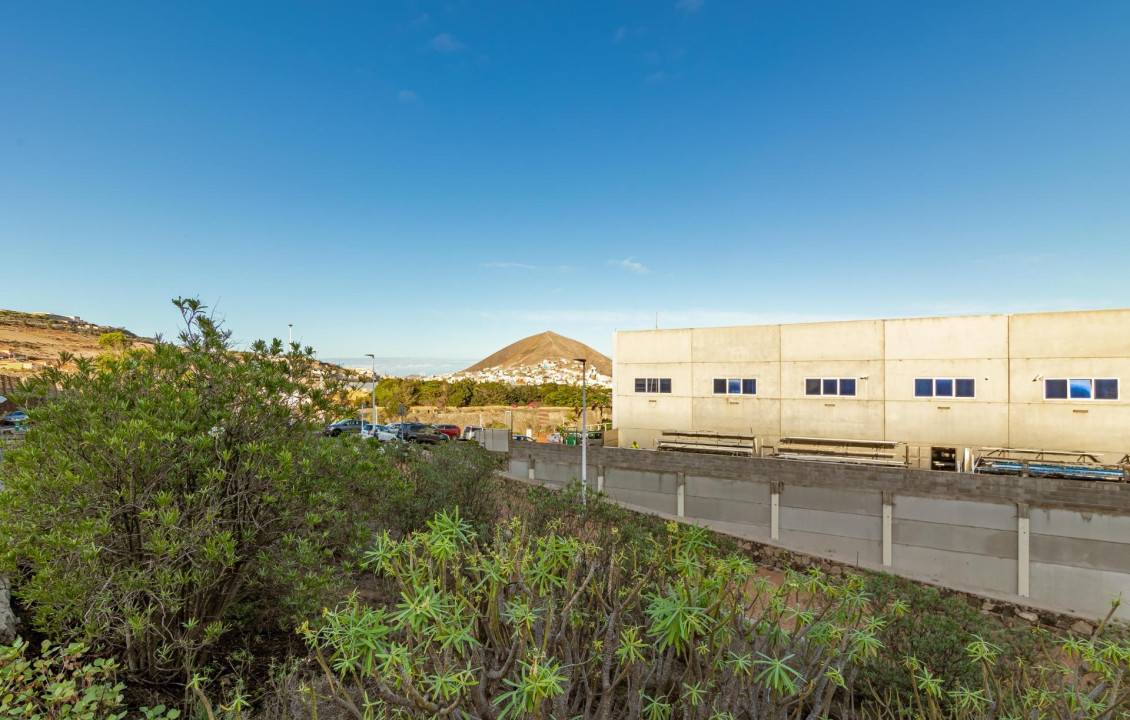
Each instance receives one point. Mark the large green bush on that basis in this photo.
(163, 492)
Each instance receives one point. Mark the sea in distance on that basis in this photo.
(405, 366)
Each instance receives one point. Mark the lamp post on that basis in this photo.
(289, 334)
(374, 418)
(584, 431)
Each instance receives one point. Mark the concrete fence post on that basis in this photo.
(600, 478)
(888, 534)
(775, 510)
(531, 473)
(681, 495)
(1023, 520)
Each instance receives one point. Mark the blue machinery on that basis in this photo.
(1050, 463)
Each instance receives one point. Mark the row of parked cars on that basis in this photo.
(403, 431)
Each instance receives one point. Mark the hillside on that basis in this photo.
(536, 349)
(27, 340)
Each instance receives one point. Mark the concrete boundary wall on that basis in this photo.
(1062, 545)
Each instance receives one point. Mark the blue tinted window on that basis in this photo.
(664, 385)
(735, 386)
(641, 385)
(1106, 389)
(943, 387)
(964, 387)
(1080, 389)
(1055, 389)
(749, 386)
(830, 386)
(812, 386)
(720, 386)
(923, 387)
(847, 386)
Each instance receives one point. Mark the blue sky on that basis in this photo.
(441, 179)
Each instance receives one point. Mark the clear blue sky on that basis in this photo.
(440, 179)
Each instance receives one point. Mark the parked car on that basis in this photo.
(381, 432)
(430, 435)
(472, 432)
(344, 427)
(451, 431)
(406, 431)
(523, 438)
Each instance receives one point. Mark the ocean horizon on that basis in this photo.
(403, 366)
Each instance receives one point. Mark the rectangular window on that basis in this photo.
(923, 387)
(835, 387)
(964, 387)
(1106, 389)
(749, 386)
(719, 386)
(664, 385)
(943, 387)
(1079, 389)
(734, 386)
(653, 385)
(1055, 389)
(641, 385)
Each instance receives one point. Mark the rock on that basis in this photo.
(836, 570)
(1028, 616)
(8, 619)
(1082, 627)
(988, 606)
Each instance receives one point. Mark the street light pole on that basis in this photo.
(289, 335)
(584, 432)
(374, 418)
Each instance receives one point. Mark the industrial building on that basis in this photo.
(1025, 392)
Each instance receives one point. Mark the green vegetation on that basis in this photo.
(392, 392)
(162, 494)
(175, 514)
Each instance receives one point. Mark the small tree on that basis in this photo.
(163, 489)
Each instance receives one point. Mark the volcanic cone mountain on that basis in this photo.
(544, 346)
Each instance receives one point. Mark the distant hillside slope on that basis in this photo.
(39, 337)
(545, 346)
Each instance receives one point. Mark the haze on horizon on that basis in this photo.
(439, 179)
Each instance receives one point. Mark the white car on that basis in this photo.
(383, 432)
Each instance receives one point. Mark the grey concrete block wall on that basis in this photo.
(954, 529)
(739, 507)
(651, 490)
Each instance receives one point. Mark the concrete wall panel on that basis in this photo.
(657, 501)
(1080, 590)
(1091, 554)
(956, 569)
(742, 530)
(1090, 334)
(1086, 526)
(844, 525)
(979, 336)
(831, 500)
(955, 538)
(858, 340)
(727, 489)
(731, 511)
(625, 479)
(737, 344)
(845, 549)
(994, 516)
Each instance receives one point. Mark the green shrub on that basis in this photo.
(432, 479)
(62, 683)
(164, 492)
(552, 626)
